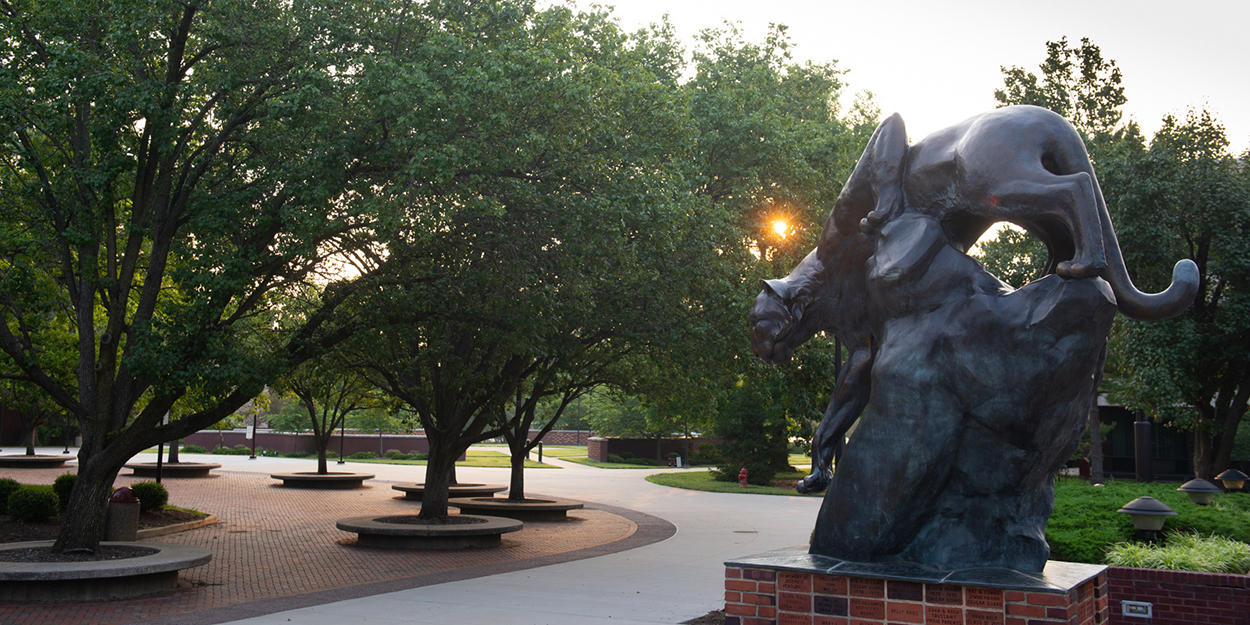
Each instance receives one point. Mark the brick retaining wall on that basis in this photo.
(285, 443)
(1180, 597)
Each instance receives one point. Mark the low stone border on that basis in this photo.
(311, 479)
(34, 462)
(173, 469)
(417, 491)
(100, 580)
(375, 531)
(528, 510)
(154, 532)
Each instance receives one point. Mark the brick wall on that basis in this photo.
(763, 596)
(1180, 597)
(599, 448)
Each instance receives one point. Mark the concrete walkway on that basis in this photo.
(665, 582)
(668, 582)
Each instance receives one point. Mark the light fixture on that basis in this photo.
(1199, 491)
(1148, 514)
(1233, 479)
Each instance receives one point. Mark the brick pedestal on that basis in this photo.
(795, 588)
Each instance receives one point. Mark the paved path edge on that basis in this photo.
(651, 529)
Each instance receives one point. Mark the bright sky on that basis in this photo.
(937, 62)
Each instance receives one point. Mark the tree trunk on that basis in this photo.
(84, 529)
(1095, 444)
(322, 467)
(438, 472)
(173, 451)
(32, 437)
(516, 486)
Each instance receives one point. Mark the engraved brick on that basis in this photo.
(829, 620)
(786, 618)
(856, 621)
(985, 598)
(977, 617)
(833, 606)
(904, 612)
(943, 593)
(794, 602)
(905, 591)
(867, 608)
(942, 615)
(759, 575)
(791, 581)
(872, 588)
(829, 585)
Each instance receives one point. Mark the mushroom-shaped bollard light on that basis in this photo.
(1200, 491)
(1233, 479)
(1147, 514)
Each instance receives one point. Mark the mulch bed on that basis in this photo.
(715, 617)
(17, 532)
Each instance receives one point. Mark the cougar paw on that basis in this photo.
(814, 483)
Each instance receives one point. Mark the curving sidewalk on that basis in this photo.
(640, 553)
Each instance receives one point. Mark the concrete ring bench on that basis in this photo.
(528, 510)
(404, 532)
(417, 491)
(153, 572)
(172, 469)
(34, 462)
(312, 479)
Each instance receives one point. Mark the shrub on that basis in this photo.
(395, 454)
(1185, 551)
(63, 485)
(296, 454)
(362, 455)
(152, 496)
(7, 487)
(754, 429)
(707, 453)
(626, 455)
(650, 462)
(614, 458)
(332, 455)
(32, 503)
(193, 449)
(416, 455)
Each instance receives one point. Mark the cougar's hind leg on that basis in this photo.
(1069, 200)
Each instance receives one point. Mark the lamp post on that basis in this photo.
(1233, 479)
(1199, 491)
(342, 435)
(1148, 515)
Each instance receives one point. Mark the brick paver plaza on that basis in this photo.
(277, 548)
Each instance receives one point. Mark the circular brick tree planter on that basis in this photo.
(527, 510)
(34, 462)
(156, 570)
(408, 532)
(332, 480)
(417, 491)
(173, 469)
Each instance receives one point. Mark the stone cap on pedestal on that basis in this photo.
(1056, 577)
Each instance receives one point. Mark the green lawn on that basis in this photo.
(702, 480)
(572, 451)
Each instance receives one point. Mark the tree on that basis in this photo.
(328, 392)
(1014, 256)
(754, 427)
(1187, 196)
(168, 167)
(1076, 83)
(561, 236)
